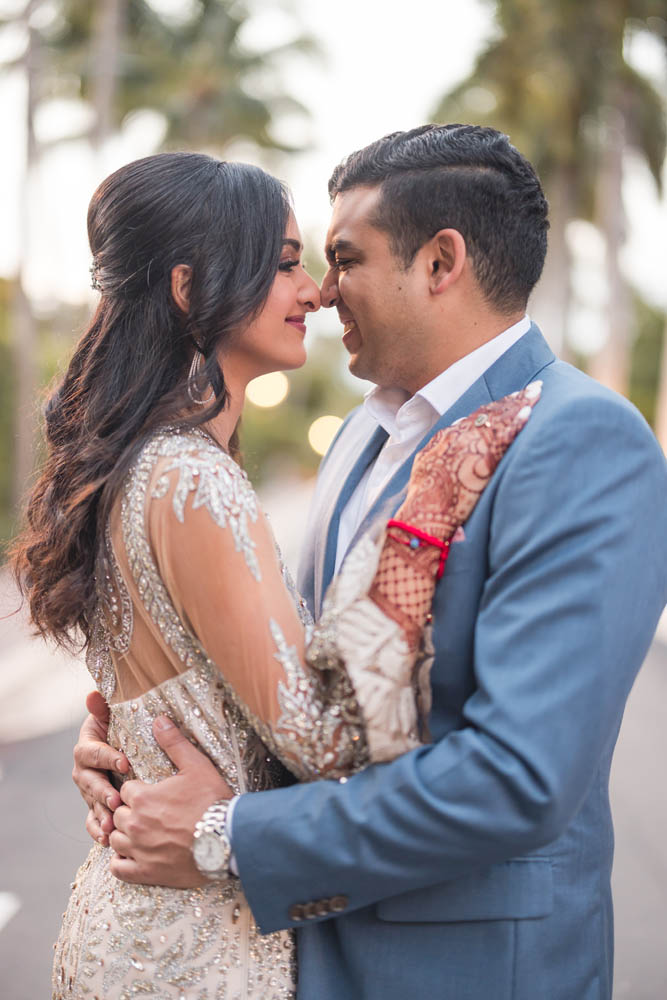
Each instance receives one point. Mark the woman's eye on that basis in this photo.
(288, 265)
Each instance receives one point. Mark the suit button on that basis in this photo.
(310, 911)
(295, 912)
(322, 908)
(338, 903)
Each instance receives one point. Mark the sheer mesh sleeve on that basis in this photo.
(217, 557)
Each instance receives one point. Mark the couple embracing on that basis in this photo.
(392, 781)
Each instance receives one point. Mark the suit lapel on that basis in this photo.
(325, 564)
(512, 371)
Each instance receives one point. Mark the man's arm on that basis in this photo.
(577, 557)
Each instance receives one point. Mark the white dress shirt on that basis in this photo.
(408, 418)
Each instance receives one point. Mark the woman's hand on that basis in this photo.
(448, 476)
(93, 760)
(451, 471)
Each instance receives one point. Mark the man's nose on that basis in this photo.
(329, 293)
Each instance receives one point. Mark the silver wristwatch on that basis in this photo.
(211, 848)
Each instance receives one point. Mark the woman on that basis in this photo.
(146, 538)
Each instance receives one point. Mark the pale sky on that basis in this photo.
(385, 64)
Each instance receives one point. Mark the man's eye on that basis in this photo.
(288, 265)
(342, 264)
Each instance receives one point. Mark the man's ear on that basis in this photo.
(446, 256)
(181, 278)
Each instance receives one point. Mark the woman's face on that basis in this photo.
(274, 341)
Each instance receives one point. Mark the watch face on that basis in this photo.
(209, 852)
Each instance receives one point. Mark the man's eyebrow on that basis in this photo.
(294, 244)
(338, 246)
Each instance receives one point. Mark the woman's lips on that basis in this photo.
(298, 322)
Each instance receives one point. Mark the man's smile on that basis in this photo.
(351, 336)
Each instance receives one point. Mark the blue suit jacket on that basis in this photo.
(478, 867)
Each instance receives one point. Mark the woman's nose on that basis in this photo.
(310, 295)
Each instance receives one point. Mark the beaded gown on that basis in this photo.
(189, 578)
(197, 619)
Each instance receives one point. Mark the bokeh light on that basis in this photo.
(268, 390)
(322, 431)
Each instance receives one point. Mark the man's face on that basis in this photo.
(379, 302)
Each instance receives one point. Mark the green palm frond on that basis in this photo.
(553, 73)
(646, 120)
(209, 87)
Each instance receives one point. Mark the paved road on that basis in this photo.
(639, 801)
(43, 841)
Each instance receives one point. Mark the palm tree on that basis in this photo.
(126, 57)
(558, 83)
(22, 320)
(631, 115)
(107, 33)
(195, 73)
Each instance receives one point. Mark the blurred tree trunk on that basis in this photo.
(23, 325)
(611, 365)
(551, 300)
(108, 28)
(561, 87)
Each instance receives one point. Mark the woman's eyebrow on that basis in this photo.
(293, 243)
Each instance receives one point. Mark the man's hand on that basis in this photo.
(155, 825)
(93, 759)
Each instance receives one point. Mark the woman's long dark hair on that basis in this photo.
(129, 371)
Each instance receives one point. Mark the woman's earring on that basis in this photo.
(194, 392)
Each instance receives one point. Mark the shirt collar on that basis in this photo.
(389, 406)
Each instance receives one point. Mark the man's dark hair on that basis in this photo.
(464, 177)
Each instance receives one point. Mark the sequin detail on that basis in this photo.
(219, 485)
(125, 941)
(113, 620)
(384, 676)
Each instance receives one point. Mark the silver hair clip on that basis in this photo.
(95, 276)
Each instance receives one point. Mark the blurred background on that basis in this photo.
(294, 85)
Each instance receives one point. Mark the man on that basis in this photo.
(478, 866)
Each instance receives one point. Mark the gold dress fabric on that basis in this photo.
(197, 619)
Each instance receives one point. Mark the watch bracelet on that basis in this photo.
(214, 819)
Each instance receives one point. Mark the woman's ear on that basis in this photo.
(447, 257)
(181, 278)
